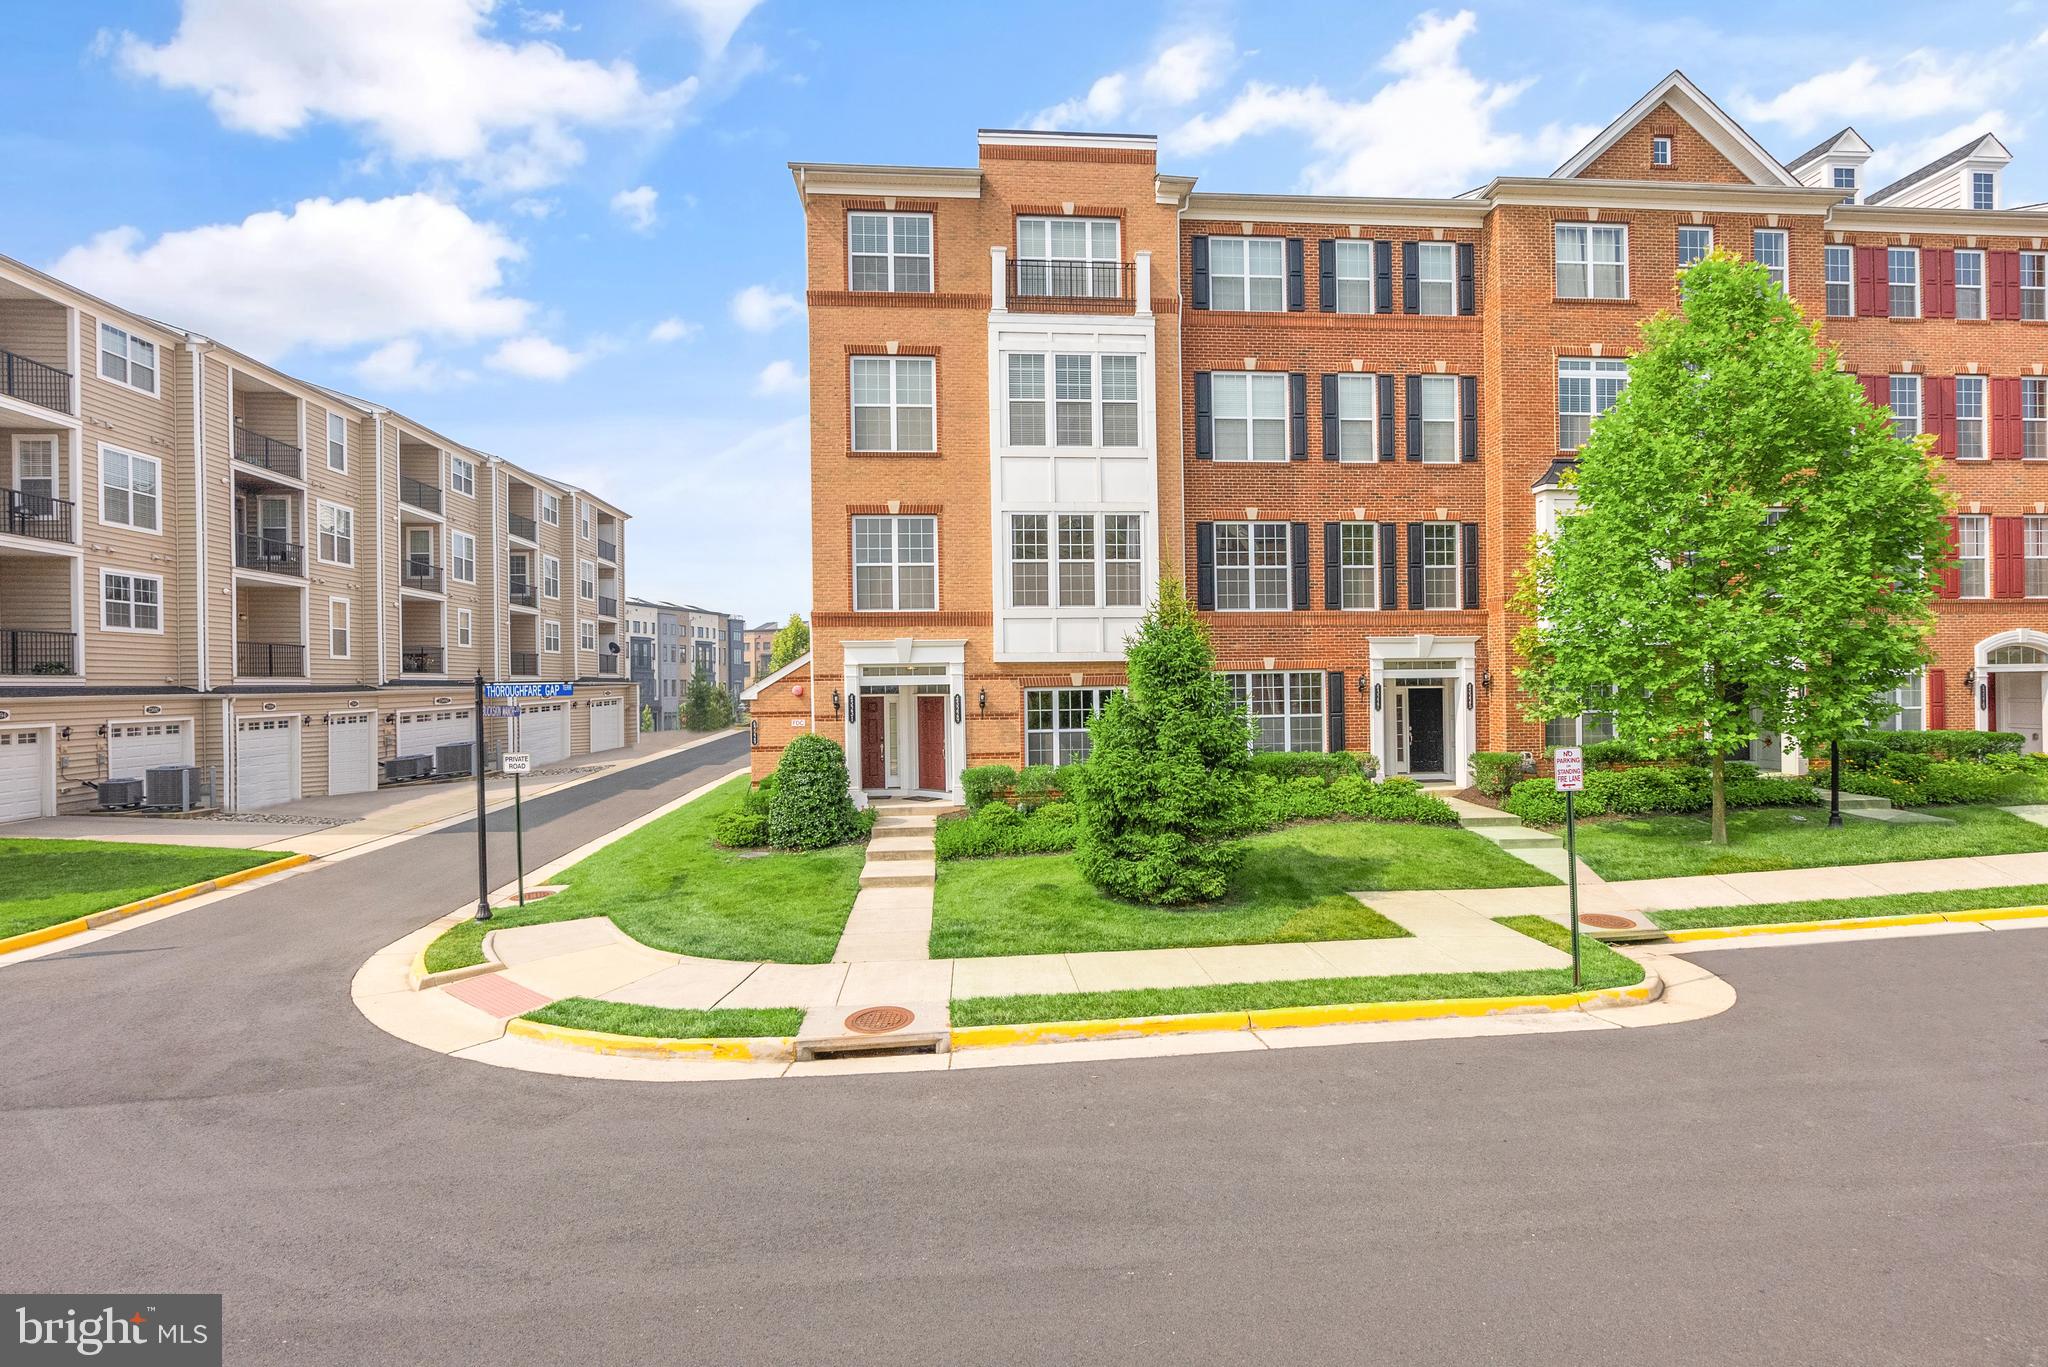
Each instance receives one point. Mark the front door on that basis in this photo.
(874, 766)
(2018, 704)
(931, 742)
(1426, 730)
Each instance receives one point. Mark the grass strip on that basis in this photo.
(1849, 908)
(1603, 967)
(1621, 849)
(669, 1022)
(51, 881)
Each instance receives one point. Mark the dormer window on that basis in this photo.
(1845, 180)
(1660, 151)
(1983, 190)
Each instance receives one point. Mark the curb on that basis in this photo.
(1931, 918)
(97, 919)
(734, 1049)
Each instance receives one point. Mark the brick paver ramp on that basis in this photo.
(497, 995)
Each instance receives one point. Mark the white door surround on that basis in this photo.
(1400, 662)
(908, 665)
(2016, 679)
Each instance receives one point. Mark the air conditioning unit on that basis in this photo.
(175, 787)
(120, 792)
(453, 759)
(407, 767)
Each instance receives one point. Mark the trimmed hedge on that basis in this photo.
(1285, 764)
(981, 783)
(996, 828)
(741, 829)
(1636, 792)
(1494, 771)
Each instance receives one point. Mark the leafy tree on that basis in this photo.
(1168, 778)
(646, 717)
(706, 706)
(790, 642)
(1754, 543)
(812, 805)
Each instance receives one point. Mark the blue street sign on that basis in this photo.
(529, 690)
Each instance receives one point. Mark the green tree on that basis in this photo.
(1754, 544)
(646, 717)
(790, 642)
(812, 806)
(1168, 778)
(706, 706)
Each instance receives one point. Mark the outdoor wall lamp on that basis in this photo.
(835, 702)
(981, 701)
(1486, 679)
(1364, 683)
(1970, 677)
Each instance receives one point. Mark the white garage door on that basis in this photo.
(25, 759)
(134, 748)
(420, 732)
(351, 752)
(266, 749)
(544, 731)
(607, 725)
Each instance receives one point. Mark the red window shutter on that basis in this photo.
(1940, 265)
(1937, 700)
(2008, 436)
(2008, 557)
(1877, 389)
(2002, 279)
(1938, 398)
(1952, 576)
(1873, 295)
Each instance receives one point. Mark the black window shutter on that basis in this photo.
(1326, 261)
(1298, 557)
(1333, 711)
(1329, 417)
(1383, 276)
(1468, 552)
(1297, 403)
(1198, 253)
(1205, 420)
(1411, 289)
(1333, 565)
(1296, 297)
(1386, 417)
(1387, 554)
(1468, 299)
(1205, 566)
(1415, 565)
(1415, 417)
(1468, 428)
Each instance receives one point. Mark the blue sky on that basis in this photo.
(565, 232)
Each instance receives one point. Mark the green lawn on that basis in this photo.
(49, 881)
(1623, 848)
(668, 1022)
(668, 886)
(1843, 908)
(1603, 967)
(1290, 888)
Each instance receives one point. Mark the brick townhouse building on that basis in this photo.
(1039, 380)
(208, 562)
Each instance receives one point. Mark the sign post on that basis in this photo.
(483, 847)
(1570, 765)
(518, 765)
(507, 696)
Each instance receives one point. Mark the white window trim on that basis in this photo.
(1848, 253)
(1367, 248)
(1099, 538)
(586, 522)
(346, 626)
(1983, 523)
(463, 624)
(1247, 275)
(1915, 383)
(1919, 281)
(1287, 713)
(1660, 150)
(319, 514)
(550, 572)
(1098, 696)
(1286, 418)
(586, 580)
(1588, 225)
(1685, 228)
(931, 257)
(1982, 421)
(1982, 288)
(455, 557)
(586, 636)
(1781, 275)
(1371, 385)
(132, 576)
(1445, 251)
(333, 420)
(99, 362)
(1457, 603)
(551, 631)
(455, 463)
(99, 499)
(895, 564)
(1373, 571)
(1595, 367)
(1457, 420)
(1251, 568)
(893, 364)
(551, 508)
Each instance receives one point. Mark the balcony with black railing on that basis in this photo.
(607, 607)
(419, 494)
(419, 573)
(607, 663)
(268, 453)
(38, 516)
(270, 660)
(271, 554)
(422, 660)
(525, 528)
(526, 663)
(1101, 281)
(38, 653)
(45, 386)
(522, 594)
(607, 550)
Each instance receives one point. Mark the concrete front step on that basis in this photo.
(1473, 823)
(898, 807)
(900, 873)
(1862, 802)
(1518, 837)
(892, 847)
(905, 821)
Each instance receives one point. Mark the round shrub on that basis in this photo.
(1034, 786)
(1495, 771)
(812, 807)
(741, 829)
(984, 782)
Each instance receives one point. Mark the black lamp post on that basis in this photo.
(1834, 783)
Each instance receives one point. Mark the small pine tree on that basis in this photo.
(646, 717)
(1168, 778)
(793, 640)
(702, 702)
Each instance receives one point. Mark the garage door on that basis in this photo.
(544, 731)
(25, 758)
(420, 732)
(134, 748)
(351, 752)
(607, 724)
(266, 749)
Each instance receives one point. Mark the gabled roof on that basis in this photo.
(753, 691)
(1985, 145)
(1727, 137)
(1848, 141)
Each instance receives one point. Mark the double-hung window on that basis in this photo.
(1027, 399)
(1910, 713)
(1030, 560)
(1248, 274)
(551, 637)
(1039, 541)
(1592, 261)
(1905, 405)
(1439, 419)
(131, 602)
(1970, 418)
(1073, 390)
(1123, 567)
(1357, 553)
(462, 476)
(585, 522)
(1440, 566)
(337, 628)
(463, 623)
(462, 557)
(1069, 258)
(1095, 399)
(1973, 557)
(1076, 560)
(338, 534)
(1119, 400)
(2034, 286)
(1969, 285)
(1587, 728)
(1902, 271)
(550, 576)
(337, 443)
(1250, 415)
(1586, 388)
(1436, 277)
(1983, 190)
(127, 359)
(1841, 270)
(35, 472)
(586, 636)
(893, 404)
(890, 252)
(1253, 572)
(1357, 417)
(2034, 417)
(895, 564)
(2037, 557)
(1285, 707)
(586, 581)
(129, 490)
(1056, 722)
(1768, 246)
(1354, 269)
(1694, 244)
(551, 509)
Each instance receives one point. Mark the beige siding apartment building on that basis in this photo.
(205, 561)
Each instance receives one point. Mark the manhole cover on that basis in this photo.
(1606, 922)
(878, 1020)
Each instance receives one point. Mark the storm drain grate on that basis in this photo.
(878, 1020)
(1604, 921)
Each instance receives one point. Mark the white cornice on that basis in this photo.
(753, 692)
(1397, 213)
(1892, 218)
(912, 182)
(1026, 137)
(1658, 194)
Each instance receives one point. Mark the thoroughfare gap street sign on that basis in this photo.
(529, 690)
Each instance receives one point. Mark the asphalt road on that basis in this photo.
(1846, 1168)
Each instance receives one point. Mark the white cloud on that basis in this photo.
(780, 377)
(328, 273)
(534, 357)
(546, 21)
(399, 365)
(636, 206)
(716, 20)
(760, 309)
(532, 206)
(1178, 73)
(1924, 83)
(671, 330)
(1371, 146)
(423, 80)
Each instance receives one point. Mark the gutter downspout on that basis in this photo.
(199, 494)
(377, 679)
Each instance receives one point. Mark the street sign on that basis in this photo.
(501, 709)
(518, 764)
(529, 690)
(1570, 764)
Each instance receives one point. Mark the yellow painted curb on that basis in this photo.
(162, 899)
(1129, 1027)
(1930, 918)
(732, 1050)
(2002, 914)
